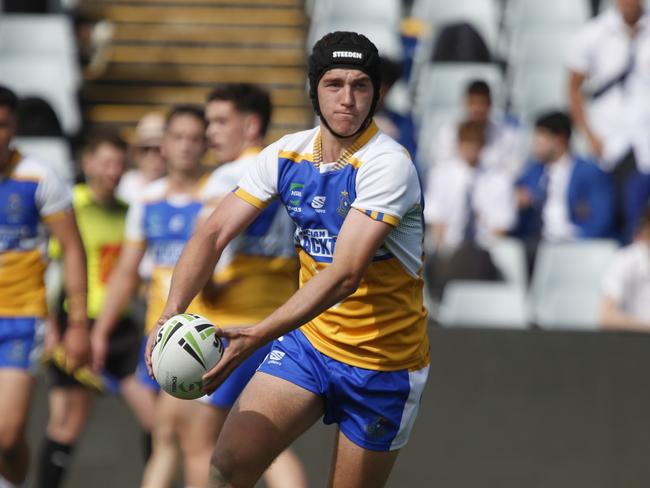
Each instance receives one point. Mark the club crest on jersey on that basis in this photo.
(344, 204)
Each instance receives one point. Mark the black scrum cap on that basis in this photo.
(347, 50)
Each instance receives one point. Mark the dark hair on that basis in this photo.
(8, 99)
(557, 123)
(471, 130)
(391, 71)
(110, 138)
(185, 109)
(36, 117)
(247, 98)
(479, 87)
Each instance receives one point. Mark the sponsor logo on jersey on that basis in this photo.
(295, 197)
(347, 54)
(318, 203)
(317, 242)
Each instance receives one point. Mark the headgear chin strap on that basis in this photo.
(347, 50)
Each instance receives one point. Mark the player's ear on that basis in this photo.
(252, 126)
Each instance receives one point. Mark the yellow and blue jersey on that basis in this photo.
(382, 325)
(163, 221)
(30, 195)
(260, 266)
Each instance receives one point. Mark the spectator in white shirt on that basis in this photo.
(145, 153)
(610, 66)
(625, 300)
(467, 206)
(465, 200)
(504, 145)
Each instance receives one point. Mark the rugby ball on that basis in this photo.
(185, 348)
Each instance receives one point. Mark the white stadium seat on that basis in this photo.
(509, 255)
(442, 85)
(538, 89)
(482, 304)
(41, 76)
(384, 36)
(564, 268)
(567, 307)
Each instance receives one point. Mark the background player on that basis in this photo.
(33, 201)
(162, 222)
(260, 269)
(100, 216)
(361, 359)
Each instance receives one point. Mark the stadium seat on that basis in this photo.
(482, 304)
(525, 13)
(541, 45)
(51, 150)
(442, 85)
(50, 36)
(564, 268)
(569, 307)
(482, 14)
(384, 12)
(537, 89)
(38, 76)
(509, 255)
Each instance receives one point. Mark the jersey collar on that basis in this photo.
(345, 158)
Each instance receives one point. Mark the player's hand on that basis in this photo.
(242, 342)
(98, 349)
(52, 336)
(76, 342)
(151, 339)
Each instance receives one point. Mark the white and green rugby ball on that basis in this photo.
(185, 348)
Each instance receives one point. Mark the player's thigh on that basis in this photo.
(14, 408)
(356, 467)
(268, 416)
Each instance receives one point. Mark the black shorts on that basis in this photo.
(122, 358)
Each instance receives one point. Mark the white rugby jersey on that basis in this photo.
(382, 326)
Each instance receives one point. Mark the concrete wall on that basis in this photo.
(521, 409)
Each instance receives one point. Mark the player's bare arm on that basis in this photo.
(200, 256)
(76, 338)
(121, 287)
(357, 243)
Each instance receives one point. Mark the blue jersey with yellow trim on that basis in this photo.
(163, 221)
(30, 195)
(381, 326)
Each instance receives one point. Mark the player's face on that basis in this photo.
(105, 167)
(183, 144)
(227, 129)
(7, 131)
(345, 97)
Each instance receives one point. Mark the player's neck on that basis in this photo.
(6, 159)
(105, 198)
(185, 181)
(333, 147)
